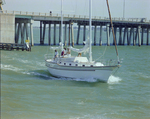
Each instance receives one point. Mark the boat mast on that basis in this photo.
(61, 24)
(112, 30)
(123, 9)
(90, 29)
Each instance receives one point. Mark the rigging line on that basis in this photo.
(76, 8)
(102, 54)
(85, 9)
(73, 6)
(115, 71)
(103, 8)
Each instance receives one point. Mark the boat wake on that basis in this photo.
(45, 75)
(112, 80)
(86, 79)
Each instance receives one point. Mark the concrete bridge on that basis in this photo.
(131, 28)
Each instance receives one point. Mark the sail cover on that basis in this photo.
(85, 49)
(57, 48)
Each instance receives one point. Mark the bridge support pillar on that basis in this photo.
(44, 28)
(49, 34)
(84, 33)
(41, 36)
(22, 33)
(142, 36)
(60, 33)
(100, 41)
(15, 32)
(115, 30)
(65, 37)
(17, 37)
(134, 43)
(110, 31)
(128, 36)
(131, 32)
(27, 31)
(107, 33)
(133, 35)
(23, 30)
(31, 33)
(147, 43)
(69, 35)
(124, 35)
(18, 32)
(120, 35)
(139, 37)
(72, 34)
(95, 30)
(54, 33)
(78, 34)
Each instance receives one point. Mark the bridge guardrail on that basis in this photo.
(143, 20)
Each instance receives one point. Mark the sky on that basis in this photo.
(133, 8)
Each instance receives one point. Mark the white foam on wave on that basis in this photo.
(36, 74)
(9, 67)
(113, 80)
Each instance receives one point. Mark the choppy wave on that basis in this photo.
(89, 116)
(23, 60)
(26, 61)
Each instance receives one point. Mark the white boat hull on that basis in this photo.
(102, 72)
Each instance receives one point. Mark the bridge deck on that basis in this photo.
(80, 19)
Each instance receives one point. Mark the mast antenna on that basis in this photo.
(61, 24)
(2, 2)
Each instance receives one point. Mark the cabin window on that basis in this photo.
(64, 63)
(76, 64)
(91, 65)
(70, 64)
(60, 62)
(83, 65)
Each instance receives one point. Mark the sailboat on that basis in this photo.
(79, 66)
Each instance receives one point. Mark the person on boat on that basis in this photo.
(63, 52)
(68, 52)
(56, 54)
(79, 54)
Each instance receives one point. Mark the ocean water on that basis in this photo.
(28, 91)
